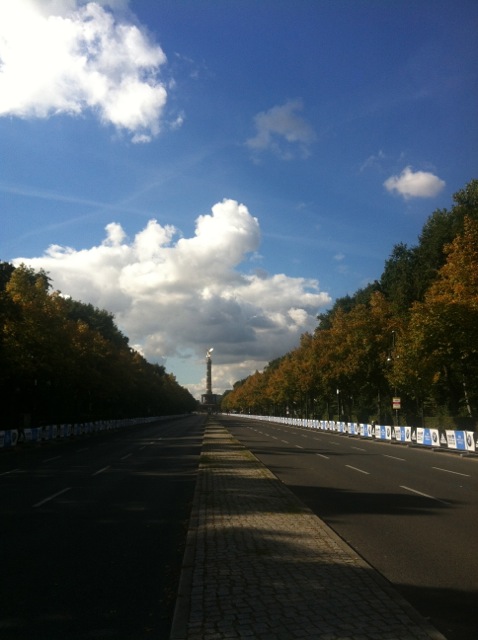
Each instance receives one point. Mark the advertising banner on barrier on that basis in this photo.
(435, 437)
(65, 430)
(47, 432)
(458, 440)
(34, 434)
(403, 434)
(366, 430)
(353, 429)
(461, 440)
(428, 437)
(470, 441)
(8, 438)
(383, 432)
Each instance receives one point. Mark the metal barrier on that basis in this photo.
(9, 438)
(441, 438)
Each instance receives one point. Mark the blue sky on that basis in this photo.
(217, 173)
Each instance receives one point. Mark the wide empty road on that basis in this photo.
(93, 530)
(411, 513)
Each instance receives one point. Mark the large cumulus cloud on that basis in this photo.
(69, 56)
(172, 294)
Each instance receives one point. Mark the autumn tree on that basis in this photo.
(438, 232)
(65, 361)
(439, 350)
(412, 333)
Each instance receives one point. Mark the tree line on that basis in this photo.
(66, 361)
(412, 336)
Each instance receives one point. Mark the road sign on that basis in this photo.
(396, 403)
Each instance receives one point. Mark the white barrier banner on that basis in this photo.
(47, 432)
(8, 438)
(33, 435)
(470, 441)
(366, 430)
(403, 434)
(428, 437)
(353, 429)
(383, 432)
(456, 440)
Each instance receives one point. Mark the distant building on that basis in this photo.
(210, 401)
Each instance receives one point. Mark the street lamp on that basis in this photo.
(396, 401)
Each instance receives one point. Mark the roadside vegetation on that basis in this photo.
(65, 361)
(412, 335)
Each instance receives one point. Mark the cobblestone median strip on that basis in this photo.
(259, 564)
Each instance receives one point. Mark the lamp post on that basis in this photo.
(396, 400)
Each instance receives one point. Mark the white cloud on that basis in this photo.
(282, 131)
(373, 161)
(415, 184)
(173, 295)
(66, 57)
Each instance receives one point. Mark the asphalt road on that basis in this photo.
(92, 533)
(411, 513)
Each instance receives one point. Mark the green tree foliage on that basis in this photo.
(414, 334)
(398, 281)
(439, 350)
(410, 271)
(97, 319)
(347, 303)
(66, 361)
